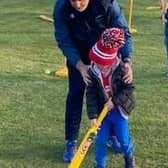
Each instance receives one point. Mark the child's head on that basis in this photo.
(104, 52)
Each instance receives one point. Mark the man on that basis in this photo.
(78, 25)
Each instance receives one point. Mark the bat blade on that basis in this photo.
(87, 141)
(83, 148)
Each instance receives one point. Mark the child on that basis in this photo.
(164, 17)
(108, 87)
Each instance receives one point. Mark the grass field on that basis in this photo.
(32, 102)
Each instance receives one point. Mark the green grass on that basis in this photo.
(32, 103)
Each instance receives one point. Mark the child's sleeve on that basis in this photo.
(124, 98)
(92, 100)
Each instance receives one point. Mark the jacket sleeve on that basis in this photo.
(62, 34)
(118, 20)
(92, 100)
(123, 94)
(125, 99)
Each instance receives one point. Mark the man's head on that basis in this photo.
(105, 51)
(79, 5)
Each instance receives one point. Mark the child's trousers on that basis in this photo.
(120, 127)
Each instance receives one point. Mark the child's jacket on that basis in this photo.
(123, 96)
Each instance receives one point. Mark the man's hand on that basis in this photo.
(128, 77)
(83, 69)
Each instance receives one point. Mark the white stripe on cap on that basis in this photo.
(102, 55)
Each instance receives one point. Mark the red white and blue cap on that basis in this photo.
(105, 51)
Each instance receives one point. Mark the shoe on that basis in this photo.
(114, 144)
(129, 162)
(69, 151)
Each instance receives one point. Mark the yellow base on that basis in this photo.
(152, 7)
(63, 72)
(133, 30)
(46, 18)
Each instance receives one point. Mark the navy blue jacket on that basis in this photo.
(76, 32)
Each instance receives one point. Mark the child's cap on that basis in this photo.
(104, 52)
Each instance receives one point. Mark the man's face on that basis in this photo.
(79, 5)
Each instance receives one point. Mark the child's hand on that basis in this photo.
(93, 122)
(109, 104)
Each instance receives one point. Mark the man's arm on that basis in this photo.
(118, 20)
(62, 34)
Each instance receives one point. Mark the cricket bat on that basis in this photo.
(87, 141)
